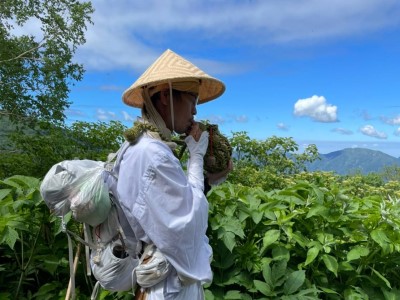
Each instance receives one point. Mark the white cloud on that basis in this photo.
(127, 117)
(282, 126)
(241, 119)
(74, 113)
(343, 131)
(316, 108)
(103, 115)
(238, 119)
(127, 33)
(131, 34)
(392, 121)
(397, 132)
(370, 130)
(215, 119)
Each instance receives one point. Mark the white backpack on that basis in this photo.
(87, 188)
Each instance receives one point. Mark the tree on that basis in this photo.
(38, 151)
(36, 71)
(391, 173)
(264, 162)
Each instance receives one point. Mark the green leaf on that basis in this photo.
(280, 253)
(382, 278)
(389, 295)
(230, 210)
(263, 288)
(294, 281)
(346, 266)
(48, 290)
(233, 294)
(318, 210)
(232, 225)
(10, 237)
(331, 263)
(380, 237)
(300, 239)
(328, 291)
(312, 253)
(220, 193)
(270, 215)
(270, 237)
(229, 240)
(254, 202)
(51, 263)
(4, 193)
(355, 293)
(267, 274)
(10, 183)
(19, 204)
(278, 272)
(208, 295)
(357, 252)
(257, 216)
(24, 181)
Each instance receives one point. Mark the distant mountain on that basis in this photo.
(351, 160)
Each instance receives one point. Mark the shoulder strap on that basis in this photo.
(114, 159)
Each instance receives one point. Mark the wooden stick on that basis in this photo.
(76, 259)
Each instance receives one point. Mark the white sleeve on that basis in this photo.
(174, 214)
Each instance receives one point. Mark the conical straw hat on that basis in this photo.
(174, 68)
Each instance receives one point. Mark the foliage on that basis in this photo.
(391, 173)
(263, 163)
(303, 242)
(36, 71)
(310, 240)
(33, 253)
(39, 150)
(301, 235)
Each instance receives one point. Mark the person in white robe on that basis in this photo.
(164, 205)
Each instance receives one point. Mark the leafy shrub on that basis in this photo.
(316, 238)
(33, 253)
(303, 242)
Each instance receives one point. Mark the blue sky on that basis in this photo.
(325, 72)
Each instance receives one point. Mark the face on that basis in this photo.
(184, 111)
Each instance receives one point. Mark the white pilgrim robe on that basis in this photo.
(163, 208)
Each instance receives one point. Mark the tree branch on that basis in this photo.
(26, 52)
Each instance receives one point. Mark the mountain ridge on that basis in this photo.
(351, 160)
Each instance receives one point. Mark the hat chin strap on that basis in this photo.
(154, 117)
(171, 102)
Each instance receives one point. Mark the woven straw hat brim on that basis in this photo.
(170, 67)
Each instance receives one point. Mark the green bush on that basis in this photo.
(314, 239)
(303, 242)
(33, 250)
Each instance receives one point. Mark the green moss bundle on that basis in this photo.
(133, 133)
(219, 150)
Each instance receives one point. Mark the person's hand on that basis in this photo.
(195, 131)
(197, 142)
(217, 178)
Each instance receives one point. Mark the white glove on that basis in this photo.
(195, 163)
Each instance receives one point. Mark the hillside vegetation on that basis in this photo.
(277, 232)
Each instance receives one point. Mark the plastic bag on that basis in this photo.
(91, 203)
(77, 185)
